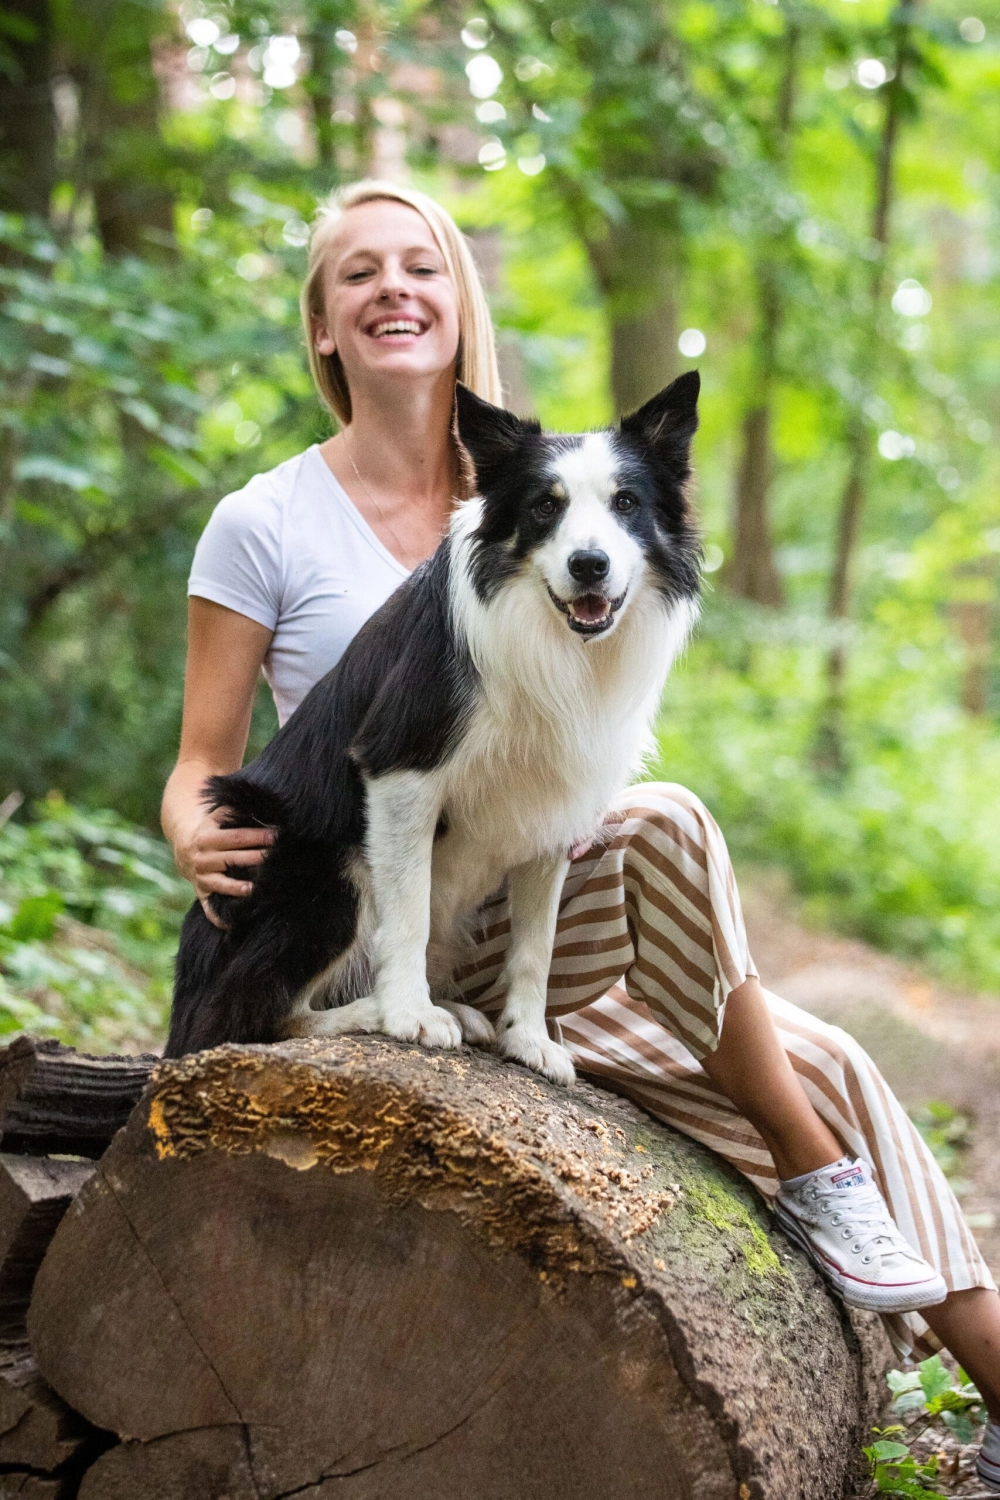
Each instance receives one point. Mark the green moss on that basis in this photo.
(714, 1203)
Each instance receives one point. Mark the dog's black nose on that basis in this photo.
(589, 566)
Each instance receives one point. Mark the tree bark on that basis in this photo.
(362, 1269)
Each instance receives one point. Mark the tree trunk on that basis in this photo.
(752, 573)
(27, 113)
(830, 753)
(110, 43)
(637, 270)
(362, 1269)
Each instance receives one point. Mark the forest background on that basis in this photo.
(799, 197)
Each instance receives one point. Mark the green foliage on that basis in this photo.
(90, 911)
(928, 1394)
(904, 849)
(932, 1390)
(948, 1134)
(896, 1472)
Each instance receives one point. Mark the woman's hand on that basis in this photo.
(225, 652)
(211, 848)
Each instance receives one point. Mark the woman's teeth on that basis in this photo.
(398, 325)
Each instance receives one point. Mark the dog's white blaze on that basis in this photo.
(563, 718)
(588, 475)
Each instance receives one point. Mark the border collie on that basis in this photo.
(473, 732)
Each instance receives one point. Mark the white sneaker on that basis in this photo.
(988, 1459)
(843, 1223)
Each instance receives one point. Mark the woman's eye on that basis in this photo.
(624, 502)
(425, 270)
(357, 276)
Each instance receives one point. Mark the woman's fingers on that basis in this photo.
(207, 861)
(210, 914)
(235, 838)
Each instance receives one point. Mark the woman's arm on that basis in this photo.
(225, 654)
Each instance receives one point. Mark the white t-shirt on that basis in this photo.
(292, 552)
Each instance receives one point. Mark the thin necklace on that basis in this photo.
(403, 551)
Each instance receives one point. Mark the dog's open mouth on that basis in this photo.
(589, 614)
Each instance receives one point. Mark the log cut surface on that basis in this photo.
(358, 1268)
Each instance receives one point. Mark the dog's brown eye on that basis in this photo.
(546, 507)
(623, 502)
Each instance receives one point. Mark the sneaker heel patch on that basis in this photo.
(849, 1177)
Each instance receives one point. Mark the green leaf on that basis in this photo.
(960, 1423)
(935, 1379)
(35, 918)
(883, 1451)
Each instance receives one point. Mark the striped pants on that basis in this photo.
(649, 944)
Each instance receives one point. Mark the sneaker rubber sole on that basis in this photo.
(988, 1472)
(862, 1294)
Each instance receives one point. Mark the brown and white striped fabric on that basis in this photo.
(649, 944)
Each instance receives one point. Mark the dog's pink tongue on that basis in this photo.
(590, 608)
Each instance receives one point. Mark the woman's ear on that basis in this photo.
(323, 340)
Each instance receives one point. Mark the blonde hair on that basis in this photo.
(476, 365)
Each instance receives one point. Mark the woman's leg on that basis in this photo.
(655, 900)
(753, 1070)
(968, 1323)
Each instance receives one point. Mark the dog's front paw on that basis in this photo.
(477, 1029)
(430, 1025)
(536, 1050)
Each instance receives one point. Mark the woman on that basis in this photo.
(287, 571)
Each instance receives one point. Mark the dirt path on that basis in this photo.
(931, 1041)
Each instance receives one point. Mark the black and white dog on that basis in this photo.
(475, 729)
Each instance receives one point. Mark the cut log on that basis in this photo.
(37, 1429)
(362, 1269)
(23, 1486)
(56, 1100)
(35, 1192)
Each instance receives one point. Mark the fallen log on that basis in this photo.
(53, 1099)
(362, 1269)
(43, 1443)
(35, 1192)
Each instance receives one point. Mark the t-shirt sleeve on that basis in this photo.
(237, 561)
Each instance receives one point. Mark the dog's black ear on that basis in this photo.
(668, 421)
(491, 435)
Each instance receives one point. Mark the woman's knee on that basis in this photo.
(668, 807)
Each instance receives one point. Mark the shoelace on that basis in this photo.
(864, 1221)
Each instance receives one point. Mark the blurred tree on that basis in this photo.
(109, 48)
(908, 61)
(27, 112)
(600, 97)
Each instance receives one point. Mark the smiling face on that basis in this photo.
(592, 518)
(391, 308)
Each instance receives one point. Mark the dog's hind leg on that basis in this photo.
(534, 892)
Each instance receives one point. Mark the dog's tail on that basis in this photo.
(201, 960)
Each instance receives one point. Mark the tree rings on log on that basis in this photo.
(361, 1269)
